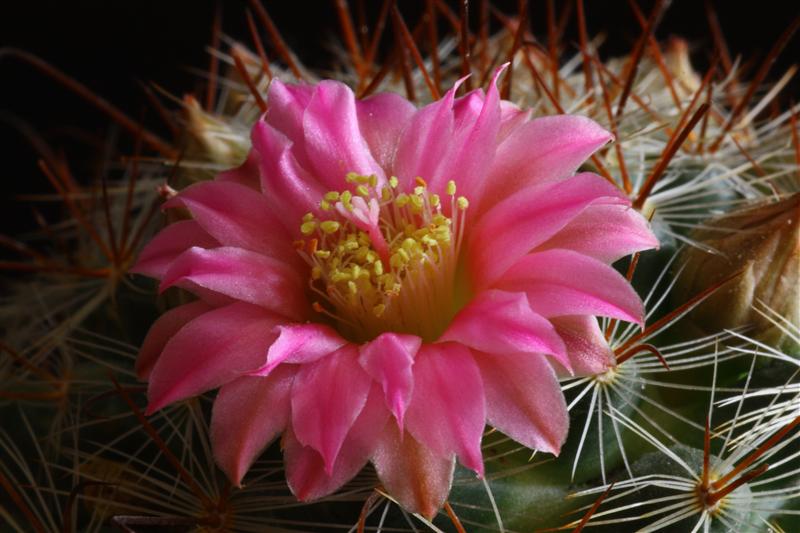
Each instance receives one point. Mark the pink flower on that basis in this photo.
(377, 282)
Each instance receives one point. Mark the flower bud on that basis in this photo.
(762, 244)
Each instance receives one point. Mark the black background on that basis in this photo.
(113, 45)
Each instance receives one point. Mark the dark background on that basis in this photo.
(113, 45)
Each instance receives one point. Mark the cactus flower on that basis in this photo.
(377, 282)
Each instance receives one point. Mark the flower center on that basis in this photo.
(385, 260)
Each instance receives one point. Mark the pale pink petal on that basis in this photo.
(448, 411)
(305, 470)
(388, 359)
(525, 220)
(511, 119)
(162, 331)
(413, 474)
(327, 396)
(426, 138)
(333, 140)
(524, 400)
(211, 350)
(563, 282)
(605, 232)
(287, 103)
(168, 244)
(300, 344)
(381, 119)
(288, 188)
(248, 413)
(544, 149)
(587, 347)
(245, 174)
(236, 215)
(501, 323)
(242, 275)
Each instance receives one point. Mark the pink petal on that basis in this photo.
(327, 396)
(168, 244)
(241, 275)
(288, 188)
(605, 232)
(162, 331)
(300, 344)
(502, 323)
(333, 140)
(248, 413)
(588, 350)
(381, 119)
(511, 119)
(563, 282)
(426, 138)
(472, 148)
(544, 149)
(388, 360)
(305, 469)
(448, 411)
(287, 103)
(211, 350)
(525, 220)
(524, 400)
(415, 476)
(238, 216)
(245, 174)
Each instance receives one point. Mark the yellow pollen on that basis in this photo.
(385, 260)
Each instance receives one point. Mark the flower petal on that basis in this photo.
(605, 232)
(236, 215)
(248, 413)
(521, 222)
(415, 476)
(544, 149)
(162, 331)
(300, 344)
(448, 411)
(588, 350)
(327, 397)
(242, 275)
(524, 399)
(381, 119)
(211, 350)
(287, 103)
(333, 140)
(305, 469)
(169, 243)
(288, 188)
(501, 323)
(563, 282)
(388, 360)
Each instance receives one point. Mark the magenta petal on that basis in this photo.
(162, 331)
(242, 275)
(300, 344)
(245, 174)
(415, 476)
(248, 413)
(448, 411)
(388, 359)
(287, 103)
(168, 244)
(521, 222)
(544, 149)
(211, 350)
(288, 188)
(382, 118)
(563, 282)
(524, 400)
(587, 347)
(605, 232)
(333, 140)
(236, 215)
(305, 470)
(327, 396)
(502, 323)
